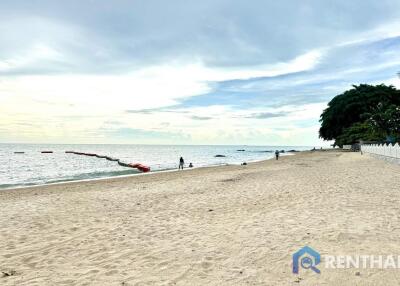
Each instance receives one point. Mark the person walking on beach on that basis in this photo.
(181, 163)
(277, 155)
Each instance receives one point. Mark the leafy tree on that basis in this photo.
(363, 105)
(386, 119)
(359, 131)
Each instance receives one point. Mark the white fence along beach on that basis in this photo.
(386, 151)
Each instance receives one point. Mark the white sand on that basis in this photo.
(234, 225)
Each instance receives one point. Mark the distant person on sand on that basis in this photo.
(190, 165)
(277, 154)
(181, 163)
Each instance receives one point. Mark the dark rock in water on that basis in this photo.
(46, 152)
(244, 164)
(219, 156)
(241, 150)
(18, 152)
(266, 151)
(282, 151)
(293, 151)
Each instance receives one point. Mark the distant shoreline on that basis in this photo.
(67, 163)
(137, 174)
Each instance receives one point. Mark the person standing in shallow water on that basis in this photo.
(181, 163)
(277, 155)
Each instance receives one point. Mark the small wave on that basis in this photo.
(85, 176)
(94, 175)
(10, 186)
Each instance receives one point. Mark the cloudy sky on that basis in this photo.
(186, 72)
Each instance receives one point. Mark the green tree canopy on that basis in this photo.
(364, 112)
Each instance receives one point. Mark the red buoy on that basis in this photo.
(140, 167)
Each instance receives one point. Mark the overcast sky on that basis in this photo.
(186, 72)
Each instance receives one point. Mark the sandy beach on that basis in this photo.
(230, 225)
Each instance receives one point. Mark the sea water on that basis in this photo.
(35, 168)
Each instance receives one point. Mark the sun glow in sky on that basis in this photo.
(186, 72)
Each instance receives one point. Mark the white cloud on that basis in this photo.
(30, 58)
(383, 31)
(149, 87)
(199, 72)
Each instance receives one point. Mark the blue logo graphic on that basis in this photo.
(308, 259)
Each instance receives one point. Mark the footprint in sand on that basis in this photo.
(110, 273)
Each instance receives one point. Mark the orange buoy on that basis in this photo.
(140, 167)
(143, 168)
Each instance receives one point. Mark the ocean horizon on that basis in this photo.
(23, 164)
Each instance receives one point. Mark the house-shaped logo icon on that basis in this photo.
(308, 258)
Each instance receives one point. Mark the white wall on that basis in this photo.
(390, 151)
